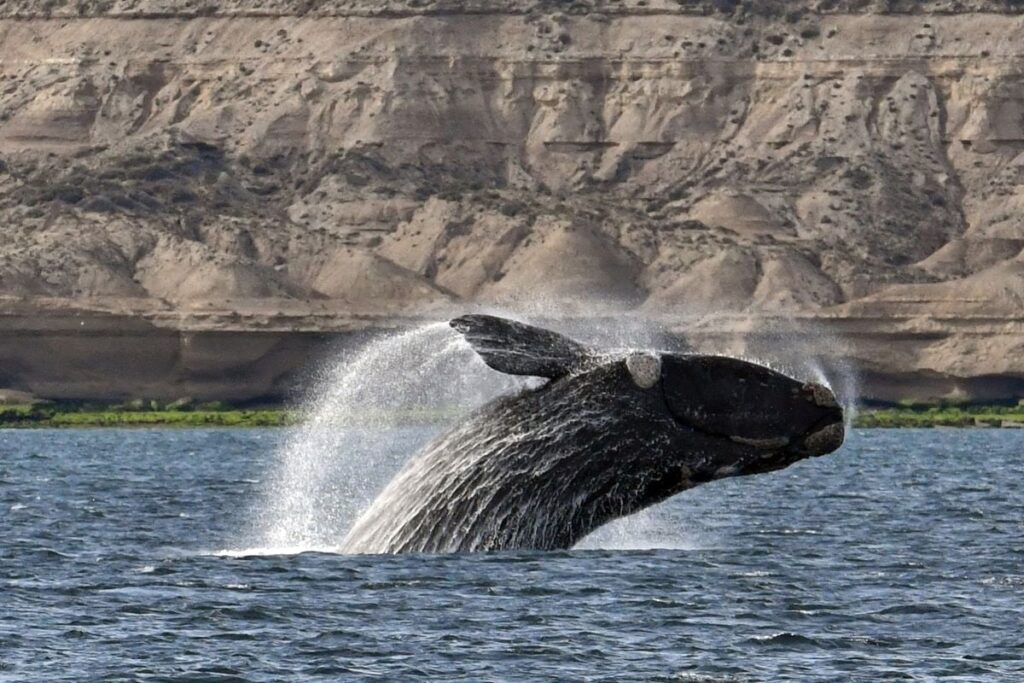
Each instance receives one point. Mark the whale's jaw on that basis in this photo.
(825, 439)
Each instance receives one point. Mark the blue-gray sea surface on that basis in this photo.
(899, 558)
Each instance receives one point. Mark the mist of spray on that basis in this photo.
(351, 441)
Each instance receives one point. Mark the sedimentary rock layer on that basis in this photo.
(856, 163)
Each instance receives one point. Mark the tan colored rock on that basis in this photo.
(564, 264)
(740, 213)
(790, 281)
(243, 164)
(368, 282)
(725, 281)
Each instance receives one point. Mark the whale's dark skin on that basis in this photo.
(604, 438)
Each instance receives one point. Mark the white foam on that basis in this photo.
(652, 529)
(274, 551)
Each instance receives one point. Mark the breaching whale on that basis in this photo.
(605, 437)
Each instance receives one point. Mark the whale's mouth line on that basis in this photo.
(768, 445)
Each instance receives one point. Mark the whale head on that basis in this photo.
(770, 420)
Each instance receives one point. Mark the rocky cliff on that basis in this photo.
(722, 167)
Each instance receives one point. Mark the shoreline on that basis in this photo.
(39, 416)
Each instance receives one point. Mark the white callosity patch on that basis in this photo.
(644, 368)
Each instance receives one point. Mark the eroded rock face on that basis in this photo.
(846, 160)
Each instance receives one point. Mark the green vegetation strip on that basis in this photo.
(152, 414)
(942, 416)
(219, 415)
(47, 416)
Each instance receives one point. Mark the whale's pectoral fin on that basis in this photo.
(519, 349)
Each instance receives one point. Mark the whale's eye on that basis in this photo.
(644, 368)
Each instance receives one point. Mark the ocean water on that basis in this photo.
(135, 555)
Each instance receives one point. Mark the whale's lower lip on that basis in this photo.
(824, 440)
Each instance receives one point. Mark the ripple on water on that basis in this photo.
(831, 570)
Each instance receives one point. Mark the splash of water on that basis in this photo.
(655, 528)
(373, 409)
(811, 351)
